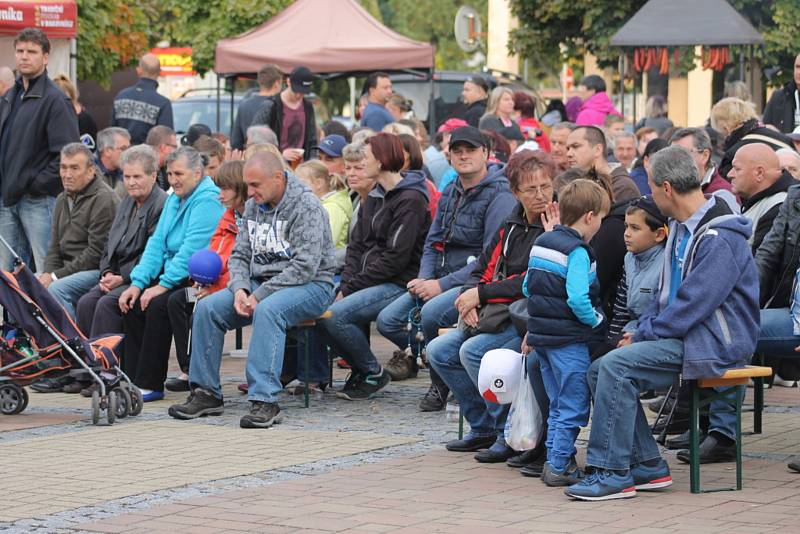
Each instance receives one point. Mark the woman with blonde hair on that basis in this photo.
(499, 110)
(738, 122)
(86, 124)
(331, 190)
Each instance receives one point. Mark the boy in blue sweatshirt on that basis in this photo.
(563, 309)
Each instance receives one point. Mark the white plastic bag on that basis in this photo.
(523, 429)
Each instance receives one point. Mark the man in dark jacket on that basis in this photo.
(139, 107)
(783, 108)
(758, 180)
(291, 116)
(81, 220)
(475, 94)
(700, 325)
(470, 211)
(269, 84)
(586, 149)
(163, 141)
(36, 121)
(111, 143)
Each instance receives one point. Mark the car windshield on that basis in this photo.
(188, 111)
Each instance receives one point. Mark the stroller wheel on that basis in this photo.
(123, 402)
(136, 401)
(111, 407)
(13, 399)
(95, 407)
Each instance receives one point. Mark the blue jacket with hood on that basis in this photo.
(465, 223)
(715, 311)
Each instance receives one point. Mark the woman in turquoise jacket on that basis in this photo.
(187, 222)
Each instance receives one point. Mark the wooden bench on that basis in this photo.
(731, 395)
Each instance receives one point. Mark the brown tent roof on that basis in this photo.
(325, 36)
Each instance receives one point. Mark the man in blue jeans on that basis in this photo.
(703, 321)
(281, 273)
(36, 122)
(470, 211)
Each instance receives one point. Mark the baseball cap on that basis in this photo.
(648, 205)
(469, 135)
(332, 145)
(301, 79)
(500, 375)
(451, 124)
(195, 132)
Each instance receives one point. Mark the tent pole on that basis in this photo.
(432, 100)
(233, 86)
(741, 65)
(633, 96)
(622, 82)
(219, 111)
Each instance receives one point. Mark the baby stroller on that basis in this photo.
(39, 337)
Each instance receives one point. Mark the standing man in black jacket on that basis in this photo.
(269, 84)
(139, 107)
(36, 122)
(291, 116)
(783, 109)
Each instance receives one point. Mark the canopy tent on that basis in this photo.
(674, 23)
(327, 36)
(686, 23)
(57, 18)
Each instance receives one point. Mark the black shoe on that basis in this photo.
(794, 465)
(571, 474)
(262, 415)
(434, 400)
(534, 469)
(51, 385)
(711, 451)
(470, 444)
(74, 387)
(199, 403)
(682, 441)
(176, 384)
(364, 387)
(528, 457)
(678, 425)
(494, 455)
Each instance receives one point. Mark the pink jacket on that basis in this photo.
(593, 112)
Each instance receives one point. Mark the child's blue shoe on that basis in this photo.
(650, 478)
(603, 485)
(151, 396)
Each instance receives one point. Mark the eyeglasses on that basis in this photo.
(536, 190)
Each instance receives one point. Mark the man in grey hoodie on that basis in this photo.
(281, 273)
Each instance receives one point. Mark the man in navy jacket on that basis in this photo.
(700, 325)
(139, 107)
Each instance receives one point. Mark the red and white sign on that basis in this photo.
(175, 61)
(58, 20)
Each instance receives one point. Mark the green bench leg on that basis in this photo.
(738, 398)
(239, 342)
(758, 403)
(307, 363)
(694, 439)
(460, 423)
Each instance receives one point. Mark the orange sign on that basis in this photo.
(58, 19)
(175, 61)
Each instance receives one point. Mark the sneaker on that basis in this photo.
(535, 468)
(262, 415)
(650, 478)
(199, 403)
(350, 384)
(152, 396)
(365, 387)
(569, 475)
(51, 385)
(782, 382)
(434, 400)
(713, 449)
(603, 485)
(402, 366)
(794, 465)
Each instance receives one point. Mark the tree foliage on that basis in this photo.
(555, 30)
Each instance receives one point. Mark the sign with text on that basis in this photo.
(175, 61)
(58, 20)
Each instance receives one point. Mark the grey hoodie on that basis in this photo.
(283, 247)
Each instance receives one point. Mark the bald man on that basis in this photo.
(760, 182)
(281, 273)
(790, 161)
(139, 107)
(7, 80)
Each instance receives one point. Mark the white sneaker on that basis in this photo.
(778, 381)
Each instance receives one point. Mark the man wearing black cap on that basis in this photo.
(291, 117)
(470, 211)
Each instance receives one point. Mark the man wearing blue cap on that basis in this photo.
(330, 153)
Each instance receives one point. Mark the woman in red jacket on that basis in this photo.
(233, 195)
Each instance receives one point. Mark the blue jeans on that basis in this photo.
(457, 357)
(439, 312)
(26, 227)
(350, 314)
(214, 315)
(70, 289)
(776, 338)
(620, 434)
(564, 377)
